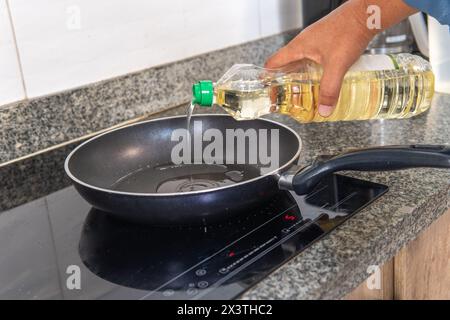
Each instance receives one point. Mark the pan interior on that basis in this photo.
(172, 178)
(138, 158)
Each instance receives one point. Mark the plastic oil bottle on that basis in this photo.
(375, 87)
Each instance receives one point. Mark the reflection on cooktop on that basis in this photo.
(222, 260)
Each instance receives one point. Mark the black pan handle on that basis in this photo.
(373, 159)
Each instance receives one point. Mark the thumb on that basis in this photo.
(330, 87)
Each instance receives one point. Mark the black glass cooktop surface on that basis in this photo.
(222, 260)
(60, 247)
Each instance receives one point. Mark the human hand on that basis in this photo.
(336, 42)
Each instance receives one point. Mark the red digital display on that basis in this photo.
(289, 217)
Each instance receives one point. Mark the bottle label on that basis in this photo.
(374, 62)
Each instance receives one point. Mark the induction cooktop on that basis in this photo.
(219, 261)
(61, 247)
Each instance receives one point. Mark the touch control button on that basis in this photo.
(223, 270)
(200, 272)
(203, 284)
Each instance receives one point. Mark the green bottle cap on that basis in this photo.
(203, 93)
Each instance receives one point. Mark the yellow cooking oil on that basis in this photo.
(398, 87)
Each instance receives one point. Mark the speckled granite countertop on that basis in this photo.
(332, 267)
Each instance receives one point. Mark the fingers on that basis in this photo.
(283, 57)
(330, 84)
(330, 87)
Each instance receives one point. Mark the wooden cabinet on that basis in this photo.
(421, 270)
(386, 291)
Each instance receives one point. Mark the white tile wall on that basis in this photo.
(214, 24)
(11, 88)
(280, 15)
(68, 43)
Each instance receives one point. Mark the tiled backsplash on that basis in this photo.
(64, 44)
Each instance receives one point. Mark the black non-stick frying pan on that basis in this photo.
(102, 166)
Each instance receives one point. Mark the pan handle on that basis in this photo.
(373, 159)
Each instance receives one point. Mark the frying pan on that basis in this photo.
(97, 164)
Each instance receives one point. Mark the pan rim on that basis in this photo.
(142, 194)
